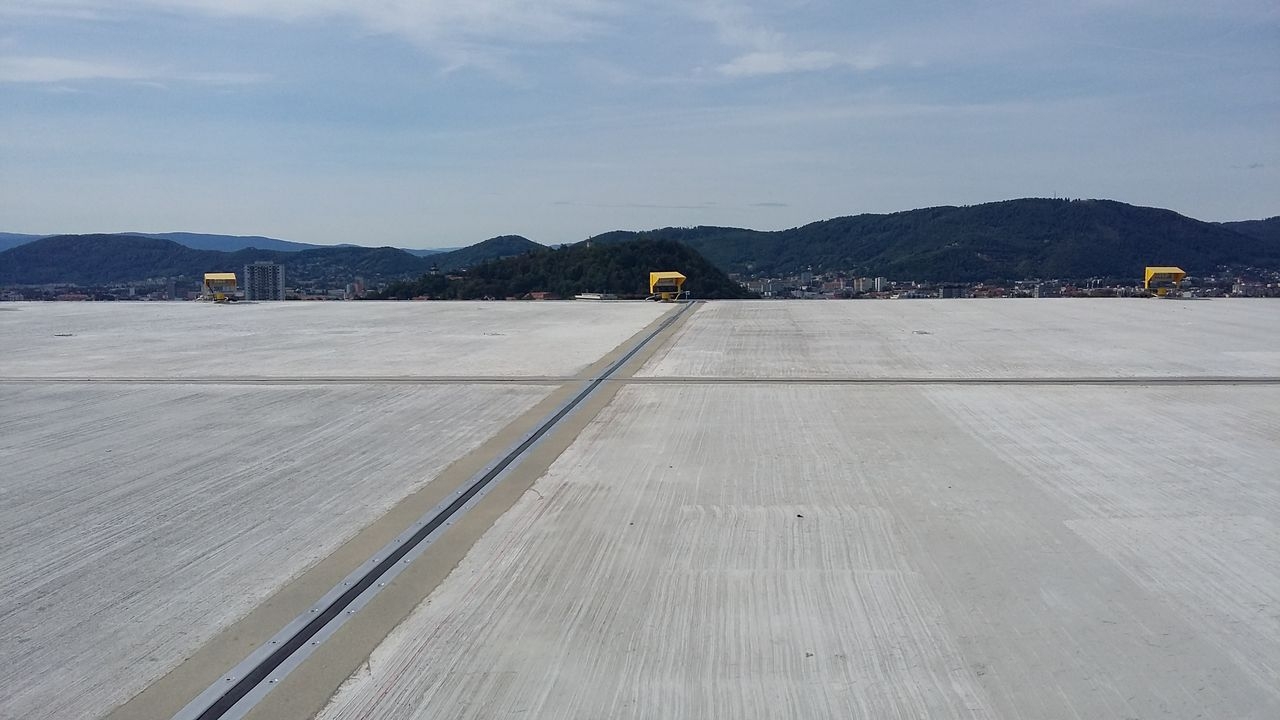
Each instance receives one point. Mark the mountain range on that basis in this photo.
(1014, 239)
(222, 243)
(95, 260)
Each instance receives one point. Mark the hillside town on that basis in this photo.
(807, 285)
(1247, 282)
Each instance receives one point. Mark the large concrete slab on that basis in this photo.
(140, 520)
(763, 551)
(294, 339)
(978, 339)
(752, 549)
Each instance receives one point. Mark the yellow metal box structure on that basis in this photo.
(665, 286)
(1163, 279)
(220, 287)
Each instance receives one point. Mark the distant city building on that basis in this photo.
(863, 284)
(882, 284)
(355, 290)
(774, 288)
(1252, 288)
(1047, 290)
(263, 280)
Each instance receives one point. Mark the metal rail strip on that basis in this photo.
(236, 692)
(295, 380)
(1140, 381)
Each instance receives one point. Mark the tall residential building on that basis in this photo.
(882, 284)
(1047, 290)
(263, 280)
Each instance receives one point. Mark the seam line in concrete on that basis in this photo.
(1123, 381)
(304, 693)
(251, 679)
(323, 380)
(662, 380)
(312, 682)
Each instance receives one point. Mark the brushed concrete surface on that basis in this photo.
(138, 521)
(763, 551)
(1064, 337)
(318, 339)
(306, 691)
(703, 549)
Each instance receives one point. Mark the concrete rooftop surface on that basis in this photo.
(315, 339)
(927, 339)
(881, 509)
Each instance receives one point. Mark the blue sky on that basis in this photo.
(444, 122)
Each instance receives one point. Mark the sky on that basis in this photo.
(435, 123)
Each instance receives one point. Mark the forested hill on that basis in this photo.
(9, 240)
(207, 241)
(107, 259)
(1268, 229)
(102, 259)
(1005, 240)
(1009, 240)
(620, 268)
(491, 249)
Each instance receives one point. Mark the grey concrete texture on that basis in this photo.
(318, 339)
(702, 549)
(765, 551)
(139, 521)
(1066, 337)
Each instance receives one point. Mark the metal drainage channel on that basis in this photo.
(236, 692)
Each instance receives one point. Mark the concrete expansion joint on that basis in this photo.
(1102, 473)
(1126, 381)
(216, 703)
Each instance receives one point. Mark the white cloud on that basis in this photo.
(777, 63)
(62, 9)
(735, 24)
(431, 20)
(485, 34)
(56, 70)
(42, 69)
(763, 49)
(440, 25)
(491, 34)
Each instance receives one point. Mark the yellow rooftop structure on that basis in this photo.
(1163, 278)
(220, 286)
(670, 281)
